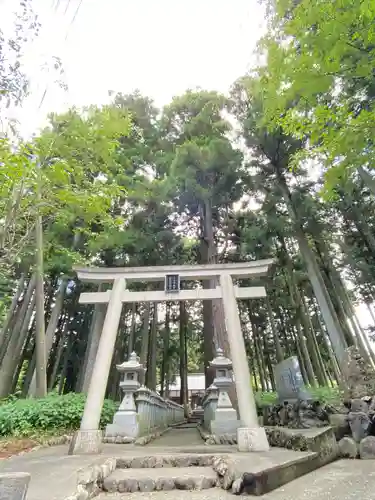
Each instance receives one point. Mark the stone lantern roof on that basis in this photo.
(221, 361)
(132, 365)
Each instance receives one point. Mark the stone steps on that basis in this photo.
(238, 473)
(175, 460)
(187, 425)
(260, 473)
(160, 479)
(206, 468)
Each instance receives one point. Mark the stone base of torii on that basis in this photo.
(250, 436)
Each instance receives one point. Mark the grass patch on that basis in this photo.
(327, 395)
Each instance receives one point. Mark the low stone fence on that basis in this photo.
(209, 406)
(155, 412)
(144, 416)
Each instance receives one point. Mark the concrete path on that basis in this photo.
(53, 471)
(178, 437)
(54, 474)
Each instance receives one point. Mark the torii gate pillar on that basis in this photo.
(250, 436)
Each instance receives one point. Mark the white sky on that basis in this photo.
(161, 47)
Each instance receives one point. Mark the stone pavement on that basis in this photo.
(342, 480)
(54, 472)
(178, 437)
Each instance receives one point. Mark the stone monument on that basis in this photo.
(125, 423)
(14, 485)
(225, 416)
(289, 382)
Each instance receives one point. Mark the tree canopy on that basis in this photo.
(279, 168)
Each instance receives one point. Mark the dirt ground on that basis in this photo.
(14, 446)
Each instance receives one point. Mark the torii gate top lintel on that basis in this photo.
(188, 272)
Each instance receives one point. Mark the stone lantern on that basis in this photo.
(125, 423)
(225, 416)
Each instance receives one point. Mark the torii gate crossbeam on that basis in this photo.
(251, 437)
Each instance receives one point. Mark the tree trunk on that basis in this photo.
(145, 340)
(208, 255)
(367, 179)
(302, 363)
(279, 350)
(64, 370)
(16, 340)
(59, 351)
(258, 352)
(51, 329)
(183, 360)
(152, 354)
(334, 365)
(165, 362)
(131, 343)
(96, 328)
(83, 341)
(306, 355)
(40, 346)
(316, 279)
(4, 335)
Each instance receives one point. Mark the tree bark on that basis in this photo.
(4, 335)
(151, 371)
(330, 318)
(51, 329)
(96, 328)
(279, 350)
(16, 340)
(40, 346)
(145, 340)
(183, 360)
(367, 179)
(64, 370)
(59, 351)
(131, 343)
(165, 362)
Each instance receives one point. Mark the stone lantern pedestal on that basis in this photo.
(125, 423)
(225, 419)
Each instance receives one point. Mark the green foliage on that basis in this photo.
(318, 81)
(20, 417)
(76, 156)
(13, 79)
(327, 395)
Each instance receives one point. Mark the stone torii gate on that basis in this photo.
(251, 437)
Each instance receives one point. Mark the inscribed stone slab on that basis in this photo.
(289, 381)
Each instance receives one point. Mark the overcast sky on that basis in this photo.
(161, 47)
